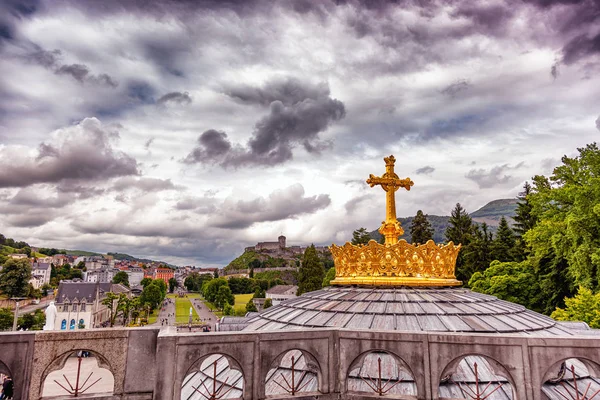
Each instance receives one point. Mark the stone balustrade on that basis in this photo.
(148, 363)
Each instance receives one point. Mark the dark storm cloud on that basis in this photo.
(298, 112)
(495, 176)
(148, 143)
(144, 184)
(85, 153)
(30, 197)
(176, 98)
(213, 146)
(281, 204)
(455, 88)
(80, 72)
(426, 170)
(30, 219)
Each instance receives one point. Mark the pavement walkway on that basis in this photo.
(204, 312)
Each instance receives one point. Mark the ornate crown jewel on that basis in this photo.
(395, 263)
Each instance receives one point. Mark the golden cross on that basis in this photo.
(390, 182)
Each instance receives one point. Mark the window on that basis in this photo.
(72, 324)
(74, 307)
(63, 324)
(82, 307)
(81, 324)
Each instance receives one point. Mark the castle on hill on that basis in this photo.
(280, 246)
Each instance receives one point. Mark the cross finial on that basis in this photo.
(390, 182)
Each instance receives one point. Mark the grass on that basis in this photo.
(182, 310)
(239, 306)
(240, 301)
(154, 316)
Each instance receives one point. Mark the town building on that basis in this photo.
(79, 304)
(40, 273)
(102, 275)
(135, 275)
(280, 293)
(163, 273)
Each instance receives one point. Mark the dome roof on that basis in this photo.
(405, 309)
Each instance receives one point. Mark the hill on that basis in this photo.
(491, 213)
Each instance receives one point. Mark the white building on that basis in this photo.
(40, 274)
(79, 304)
(280, 293)
(135, 276)
(103, 275)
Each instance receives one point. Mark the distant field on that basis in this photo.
(182, 310)
(239, 306)
(241, 300)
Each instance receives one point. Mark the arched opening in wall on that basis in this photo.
(7, 385)
(292, 373)
(572, 379)
(476, 377)
(381, 373)
(213, 377)
(83, 374)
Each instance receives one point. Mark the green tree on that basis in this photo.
(251, 307)
(329, 276)
(6, 319)
(146, 281)
(113, 302)
(228, 310)
(210, 289)
(420, 229)
(311, 273)
(162, 285)
(151, 295)
(173, 284)
(566, 206)
(224, 296)
(524, 221)
(268, 304)
(460, 231)
(360, 236)
(504, 243)
(585, 306)
(122, 278)
(32, 321)
(510, 281)
(14, 278)
(478, 253)
(216, 274)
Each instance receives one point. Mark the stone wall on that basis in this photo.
(151, 364)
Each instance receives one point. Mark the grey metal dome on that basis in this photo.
(405, 309)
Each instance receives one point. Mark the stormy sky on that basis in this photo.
(187, 130)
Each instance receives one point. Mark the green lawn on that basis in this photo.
(182, 310)
(239, 306)
(241, 300)
(189, 295)
(154, 316)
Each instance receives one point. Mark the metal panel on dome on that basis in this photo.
(394, 308)
(431, 308)
(293, 313)
(413, 308)
(360, 321)
(339, 319)
(322, 318)
(376, 307)
(496, 323)
(359, 307)
(303, 318)
(454, 323)
(375, 296)
(342, 306)
(272, 326)
(388, 296)
(517, 325)
(450, 308)
(431, 323)
(477, 324)
(407, 323)
(384, 322)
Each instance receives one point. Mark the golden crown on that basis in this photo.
(401, 264)
(395, 263)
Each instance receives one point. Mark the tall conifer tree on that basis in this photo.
(420, 229)
(460, 230)
(504, 244)
(311, 272)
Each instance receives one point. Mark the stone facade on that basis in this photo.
(133, 355)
